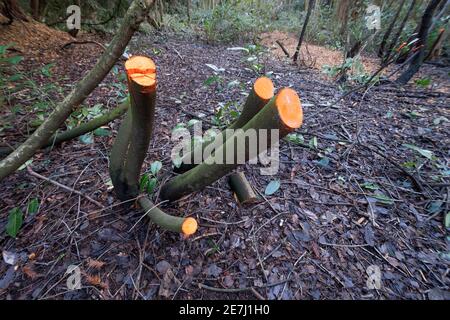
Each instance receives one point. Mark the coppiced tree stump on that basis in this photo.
(131, 145)
(283, 113)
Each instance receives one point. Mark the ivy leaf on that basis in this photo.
(155, 167)
(272, 187)
(15, 220)
(33, 206)
(426, 153)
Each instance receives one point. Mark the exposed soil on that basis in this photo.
(315, 238)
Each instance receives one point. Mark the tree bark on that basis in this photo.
(186, 226)
(425, 24)
(253, 104)
(397, 36)
(388, 32)
(12, 10)
(134, 16)
(130, 149)
(242, 188)
(302, 34)
(217, 165)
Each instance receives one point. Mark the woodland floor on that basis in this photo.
(317, 235)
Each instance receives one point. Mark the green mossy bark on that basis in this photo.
(253, 104)
(205, 174)
(242, 188)
(130, 148)
(161, 218)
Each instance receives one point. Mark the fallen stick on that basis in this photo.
(186, 226)
(80, 130)
(283, 113)
(37, 175)
(242, 188)
(136, 13)
(283, 48)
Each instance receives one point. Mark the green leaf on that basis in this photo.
(26, 164)
(86, 138)
(447, 220)
(324, 162)
(192, 122)
(102, 132)
(15, 220)
(370, 186)
(144, 182)
(46, 69)
(383, 199)
(15, 77)
(272, 187)
(177, 161)
(151, 185)
(313, 143)
(426, 153)
(13, 60)
(155, 167)
(33, 206)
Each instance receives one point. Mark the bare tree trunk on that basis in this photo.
(388, 32)
(397, 36)
(130, 23)
(12, 10)
(425, 24)
(302, 34)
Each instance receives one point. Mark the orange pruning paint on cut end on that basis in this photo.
(189, 226)
(289, 108)
(141, 70)
(264, 88)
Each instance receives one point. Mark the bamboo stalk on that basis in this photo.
(283, 114)
(258, 97)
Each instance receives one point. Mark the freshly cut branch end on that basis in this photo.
(289, 108)
(141, 70)
(264, 88)
(189, 226)
(186, 226)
